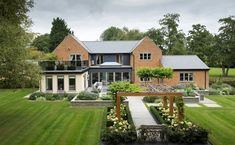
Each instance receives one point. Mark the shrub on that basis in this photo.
(36, 95)
(150, 99)
(122, 131)
(50, 97)
(180, 132)
(157, 115)
(187, 135)
(85, 95)
(106, 97)
(213, 91)
(185, 86)
(222, 88)
(113, 138)
(123, 87)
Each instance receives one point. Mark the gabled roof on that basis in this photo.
(183, 62)
(111, 46)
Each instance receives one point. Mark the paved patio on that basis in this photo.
(139, 112)
(209, 103)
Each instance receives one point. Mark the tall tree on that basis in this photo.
(42, 42)
(114, 33)
(200, 42)
(132, 34)
(58, 31)
(14, 38)
(174, 38)
(226, 44)
(157, 36)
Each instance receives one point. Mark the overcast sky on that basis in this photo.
(89, 18)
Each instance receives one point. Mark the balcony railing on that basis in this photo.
(63, 65)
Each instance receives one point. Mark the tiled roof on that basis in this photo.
(183, 62)
(111, 46)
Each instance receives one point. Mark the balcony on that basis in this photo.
(63, 65)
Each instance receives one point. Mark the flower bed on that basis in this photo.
(179, 132)
(51, 96)
(116, 131)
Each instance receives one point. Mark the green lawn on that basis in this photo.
(216, 72)
(24, 122)
(219, 121)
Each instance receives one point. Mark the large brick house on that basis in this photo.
(82, 63)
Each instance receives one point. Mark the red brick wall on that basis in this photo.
(146, 45)
(69, 46)
(201, 78)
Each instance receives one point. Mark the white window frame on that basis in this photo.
(70, 57)
(145, 56)
(60, 77)
(72, 77)
(49, 77)
(188, 74)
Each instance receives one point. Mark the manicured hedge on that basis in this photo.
(85, 95)
(50, 96)
(157, 114)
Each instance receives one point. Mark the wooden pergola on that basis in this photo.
(170, 95)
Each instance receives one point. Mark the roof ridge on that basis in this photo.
(110, 41)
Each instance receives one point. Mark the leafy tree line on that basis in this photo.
(214, 49)
(15, 71)
(48, 42)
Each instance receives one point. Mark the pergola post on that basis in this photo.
(118, 102)
(171, 101)
(164, 102)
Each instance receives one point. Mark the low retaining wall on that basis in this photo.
(107, 103)
(191, 99)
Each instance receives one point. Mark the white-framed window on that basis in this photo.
(75, 57)
(145, 56)
(60, 83)
(49, 83)
(72, 83)
(186, 77)
(145, 79)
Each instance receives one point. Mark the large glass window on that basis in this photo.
(126, 76)
(99, 59)
(95, 77)
(72, 83)
(119, 58)
(60, 83)
(118, 76)
(110, 77)
(49, 83)
(103, 78)
(75, 57)
(186, 76)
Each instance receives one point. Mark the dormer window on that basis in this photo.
(145, 56)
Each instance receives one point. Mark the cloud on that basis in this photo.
(89, 18)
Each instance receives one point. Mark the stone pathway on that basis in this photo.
(139, 112)
(209, 103)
